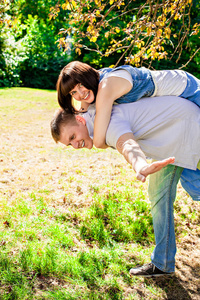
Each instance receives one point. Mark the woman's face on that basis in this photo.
(81, 93)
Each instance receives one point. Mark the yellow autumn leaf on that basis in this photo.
(159, 32)
(77, 50)
(98, 3)
(66, 6)
(176, 17)
(166, 11)
(168, 30)
(73, 3)
(148, 31)
(107, 34)
(90, 28)
(93, 39)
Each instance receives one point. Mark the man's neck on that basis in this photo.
(89, 118)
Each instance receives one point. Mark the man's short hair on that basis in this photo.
(61, 117)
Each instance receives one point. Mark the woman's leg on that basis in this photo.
(162, 194)
(192, 91)
(190, 181)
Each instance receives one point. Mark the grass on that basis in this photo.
(73, 223)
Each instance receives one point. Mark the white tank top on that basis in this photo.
(169, 82)
(120, 73)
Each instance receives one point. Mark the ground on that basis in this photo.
(31, 161)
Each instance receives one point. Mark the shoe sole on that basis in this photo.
(153, 275)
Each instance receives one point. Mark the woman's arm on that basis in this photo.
(109, 90)
(133, 154)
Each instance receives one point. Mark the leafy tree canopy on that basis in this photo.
(134, 32)
(29, 52)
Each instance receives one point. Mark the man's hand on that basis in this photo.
(153, 167)
(130, 149)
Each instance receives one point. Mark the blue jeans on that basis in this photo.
(190, 181)
(162, 194)
(192, 90)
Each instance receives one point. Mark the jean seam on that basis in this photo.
(168, 229)
(150, 93)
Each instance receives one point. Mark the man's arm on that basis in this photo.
(133, 154)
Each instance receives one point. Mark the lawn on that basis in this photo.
(73, 223)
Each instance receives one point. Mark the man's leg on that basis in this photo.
(162, 194)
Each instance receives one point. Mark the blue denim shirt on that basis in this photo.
(143, 85)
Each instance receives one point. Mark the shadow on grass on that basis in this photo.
(172, 287)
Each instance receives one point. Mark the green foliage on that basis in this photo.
(154, 34)
(30, 55)
(44, 59)
(102, 33)
(9, 58)
(188, 55)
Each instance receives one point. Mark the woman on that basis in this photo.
(121, 85)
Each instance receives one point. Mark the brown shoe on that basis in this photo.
(148, 270)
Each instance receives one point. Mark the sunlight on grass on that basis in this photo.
(72, 223)
(117, 217)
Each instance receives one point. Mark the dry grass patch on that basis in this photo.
(48, 193)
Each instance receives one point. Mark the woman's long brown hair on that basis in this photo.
(73, 73)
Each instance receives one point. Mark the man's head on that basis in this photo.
(70, 129)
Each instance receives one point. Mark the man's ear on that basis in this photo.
(80, 119)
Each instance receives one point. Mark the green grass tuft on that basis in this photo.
(73, 223)
(118, 217)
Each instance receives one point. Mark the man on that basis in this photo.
(159, 127)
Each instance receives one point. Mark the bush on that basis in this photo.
(29, 54)
(10, 58)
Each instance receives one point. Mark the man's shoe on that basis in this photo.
(148, 270)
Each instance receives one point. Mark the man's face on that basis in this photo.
(76, 135)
